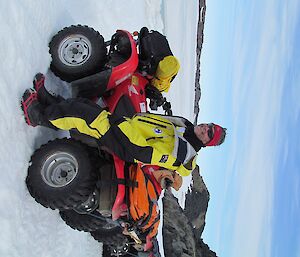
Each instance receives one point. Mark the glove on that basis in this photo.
(168, 178)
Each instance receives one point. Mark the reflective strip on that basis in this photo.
(182, 151)
(191, 153)
(180, 130)
(188, 151)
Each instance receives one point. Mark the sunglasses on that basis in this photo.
(210, 131)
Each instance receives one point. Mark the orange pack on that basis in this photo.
(143, 206)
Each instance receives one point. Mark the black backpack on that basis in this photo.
(153, 47)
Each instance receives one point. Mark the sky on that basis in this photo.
(250, 84)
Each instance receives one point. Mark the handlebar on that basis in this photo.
(157, 100)
(155, 103)
(167, 108)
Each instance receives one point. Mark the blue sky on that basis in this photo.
(250, 84)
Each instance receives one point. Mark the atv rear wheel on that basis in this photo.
(61, 174)
(77, 51)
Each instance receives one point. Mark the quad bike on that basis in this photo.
(85, 182)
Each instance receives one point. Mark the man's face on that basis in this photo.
(204, 132)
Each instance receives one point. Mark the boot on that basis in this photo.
(33, 109)
(43, 95)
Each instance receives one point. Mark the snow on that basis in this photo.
(27, 228)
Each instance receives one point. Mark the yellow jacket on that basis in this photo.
(146, 138)
(162, 133)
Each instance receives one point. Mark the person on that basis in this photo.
(170, 142)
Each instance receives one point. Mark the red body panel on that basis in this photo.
(126, 69)
(120, 207)
(134, 88)
(125, 80)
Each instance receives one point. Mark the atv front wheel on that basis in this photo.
(77, 51)
(125, 250)
(111, 236)
(116, 243)
(61, 174)
(83, 222)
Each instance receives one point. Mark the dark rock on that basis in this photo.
(200, 36)
(197, 196)
(177, 230)
(183, 228)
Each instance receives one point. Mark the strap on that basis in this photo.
(115, 119)
(153, 223)
(126, 182)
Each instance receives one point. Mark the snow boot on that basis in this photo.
(43, 95)
(33, 110)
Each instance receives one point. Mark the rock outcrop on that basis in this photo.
(183, 228)
(200, 36)
(198, 196)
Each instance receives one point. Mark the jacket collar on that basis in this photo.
(191, 137)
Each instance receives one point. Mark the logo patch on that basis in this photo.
(157, 131)
(135, 80)
(164, 158)
(132, 90)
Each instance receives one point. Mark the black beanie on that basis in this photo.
(191, 137)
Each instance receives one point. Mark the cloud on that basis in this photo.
(298, 250)
(258, 49)
(259, 64)
(254, 207)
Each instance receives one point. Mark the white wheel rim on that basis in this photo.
(59, 169)
(74, 50)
